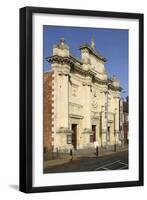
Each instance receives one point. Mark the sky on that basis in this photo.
(110, 43)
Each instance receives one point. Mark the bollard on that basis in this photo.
(97, 151)
(71, 155)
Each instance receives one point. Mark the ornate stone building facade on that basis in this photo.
(81, 102)
(124, 120)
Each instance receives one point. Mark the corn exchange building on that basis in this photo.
(81, 101)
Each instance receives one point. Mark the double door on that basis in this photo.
(74, 135)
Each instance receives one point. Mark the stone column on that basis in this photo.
(87, 110)
(103, 127)
(87, 113)
(121, 122)
(63, 107)
(64, 99)
(117, 139)
(105, 120)
(61, 67)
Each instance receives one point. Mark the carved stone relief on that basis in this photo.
(94, 99)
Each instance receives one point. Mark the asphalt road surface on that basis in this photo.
(117, 161)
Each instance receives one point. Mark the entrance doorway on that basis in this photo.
(94, 132)
(108, 134)
(74, 135)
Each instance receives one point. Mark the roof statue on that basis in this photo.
(92, 43)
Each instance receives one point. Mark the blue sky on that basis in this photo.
(110, 43)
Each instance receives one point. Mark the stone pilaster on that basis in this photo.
(105, 120)
(87, 111)
(121, 122)
(64, 97)
(87, 103)
(61, 106)
(103, 125)
(117, 131)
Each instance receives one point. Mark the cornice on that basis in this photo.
(60, 59)
(76, 116)
(110, 86)
(75, 59)
(77, 66)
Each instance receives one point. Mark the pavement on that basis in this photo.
(81, 153)
(114, 161)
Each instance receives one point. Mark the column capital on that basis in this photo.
(64, 70)
(87, 82)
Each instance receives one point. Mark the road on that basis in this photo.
(114, 161)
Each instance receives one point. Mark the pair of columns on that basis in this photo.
(62, 97)
(62, 105)
(104, 119)
(62, 100)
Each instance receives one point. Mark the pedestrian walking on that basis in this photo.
(96, 145)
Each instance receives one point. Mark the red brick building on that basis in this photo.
(47, 110)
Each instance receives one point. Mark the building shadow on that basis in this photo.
(14, 187)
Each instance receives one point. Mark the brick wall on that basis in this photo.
(47, 110)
